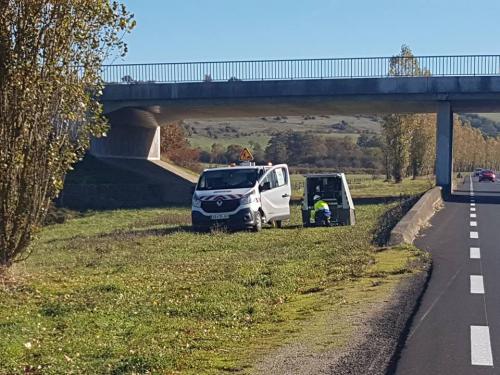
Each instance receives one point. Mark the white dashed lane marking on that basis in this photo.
(476, 284)
(475, 253)
(480, 343)
(480, 346)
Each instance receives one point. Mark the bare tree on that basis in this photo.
(51, 54)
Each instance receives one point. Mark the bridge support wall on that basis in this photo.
(134, 134)
(444, 147)
(128, 142)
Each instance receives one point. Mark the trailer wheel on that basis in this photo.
(279, 223)
(258, 222)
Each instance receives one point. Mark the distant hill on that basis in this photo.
(488, 123)
(244, 131)
(204, 133)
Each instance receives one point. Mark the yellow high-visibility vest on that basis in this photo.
(319, 206)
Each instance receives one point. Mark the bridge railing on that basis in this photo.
(300, 69)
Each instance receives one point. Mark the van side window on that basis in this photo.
(272, 179)
(281, 176)
(265, 180)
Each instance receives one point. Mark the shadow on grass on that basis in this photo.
(390, 218)
(131, 234)
(139, 233)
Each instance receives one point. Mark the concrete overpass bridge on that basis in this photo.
(139, 99)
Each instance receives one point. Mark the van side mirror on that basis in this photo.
(265, 186)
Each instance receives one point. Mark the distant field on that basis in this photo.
(362, 185)
(205, 143)
(259, 129)
(244, 130)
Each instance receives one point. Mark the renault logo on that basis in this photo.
(219, 203)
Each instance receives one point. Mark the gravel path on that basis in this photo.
(372, 350)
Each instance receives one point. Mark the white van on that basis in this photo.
(242, 197)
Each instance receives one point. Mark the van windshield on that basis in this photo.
(231, 178)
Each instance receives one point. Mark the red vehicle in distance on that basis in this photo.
(487, 175)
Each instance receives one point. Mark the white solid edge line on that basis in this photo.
(475, 253)
(473, 216)
(480, 346)
(474, 235)
(473, 223)
(476, 284)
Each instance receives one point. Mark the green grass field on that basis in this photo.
(134, 291)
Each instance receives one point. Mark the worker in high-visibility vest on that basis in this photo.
(321, 213)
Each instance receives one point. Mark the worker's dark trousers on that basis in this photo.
(322, 220)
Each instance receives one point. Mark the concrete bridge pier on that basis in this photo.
(444, 147)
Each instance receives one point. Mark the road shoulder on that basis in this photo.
(357, 337)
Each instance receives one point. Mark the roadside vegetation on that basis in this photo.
(135, 291)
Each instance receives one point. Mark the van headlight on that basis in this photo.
(246, 199)
(196, 202)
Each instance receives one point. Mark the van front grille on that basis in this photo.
(224, 206)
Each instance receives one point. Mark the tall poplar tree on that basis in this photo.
(51, 54)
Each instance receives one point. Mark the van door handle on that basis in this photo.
(285, 195)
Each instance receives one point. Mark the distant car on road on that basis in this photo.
(487, 175)
(477, 172)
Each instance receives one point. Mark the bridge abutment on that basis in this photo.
(134, 134)
(128, 142)
(444, 147)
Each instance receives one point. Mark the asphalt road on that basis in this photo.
(456, 329)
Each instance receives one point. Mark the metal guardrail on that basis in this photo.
(300, 69)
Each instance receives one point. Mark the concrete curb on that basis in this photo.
(419, 215)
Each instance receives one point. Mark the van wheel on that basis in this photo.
(258, 222)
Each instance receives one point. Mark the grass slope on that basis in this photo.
(135, 291)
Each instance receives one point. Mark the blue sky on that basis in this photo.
(210, 30)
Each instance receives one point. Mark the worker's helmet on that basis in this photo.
(316, 197)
